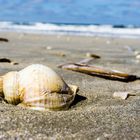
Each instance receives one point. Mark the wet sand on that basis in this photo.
(95, 114)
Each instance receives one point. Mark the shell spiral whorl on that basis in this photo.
(37, 87)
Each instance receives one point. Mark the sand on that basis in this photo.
(95, 114)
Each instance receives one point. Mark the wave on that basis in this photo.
(72, 29)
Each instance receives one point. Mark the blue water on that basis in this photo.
(114, 12)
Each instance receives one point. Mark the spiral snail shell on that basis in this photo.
(37, 87)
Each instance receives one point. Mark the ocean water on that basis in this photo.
(90, 17)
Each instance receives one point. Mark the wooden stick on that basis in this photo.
(99, 71)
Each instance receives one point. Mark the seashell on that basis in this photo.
(37, 87)
(10, 87)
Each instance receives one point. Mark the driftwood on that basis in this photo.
(99, 71)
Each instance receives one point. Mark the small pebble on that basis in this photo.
(92, 55)
(108, 42)
(59, 54)
(48, 47)
(138, 56)
(122, 95)
(136, 52)
(14, 63)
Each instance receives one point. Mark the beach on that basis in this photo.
(95, 113)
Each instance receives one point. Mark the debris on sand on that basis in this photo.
(61, 54)
(99, 71)
(4, 39)
(138, 56)
(93, 55)
(85, 61)
(123, 94)
(7, 60)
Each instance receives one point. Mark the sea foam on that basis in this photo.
(71, 29)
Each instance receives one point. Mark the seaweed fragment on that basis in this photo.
(7, 60)
(4, 39)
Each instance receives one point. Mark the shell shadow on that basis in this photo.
(78, 98)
